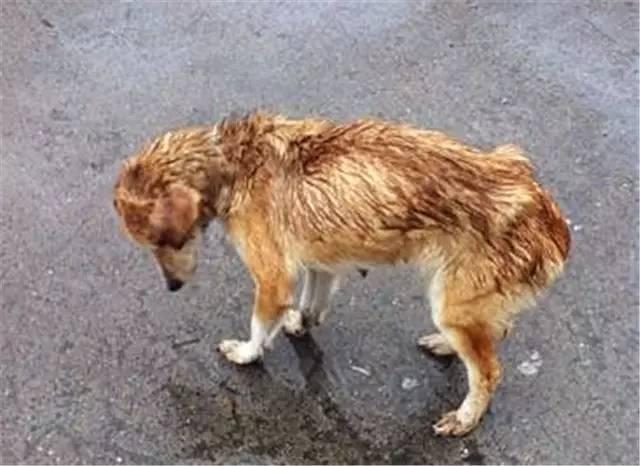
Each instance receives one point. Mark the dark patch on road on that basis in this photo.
(46, 23)
(297, 426)
(180, 344)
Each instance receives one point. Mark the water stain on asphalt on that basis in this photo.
(299, 426)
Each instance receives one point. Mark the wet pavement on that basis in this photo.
(100, 365)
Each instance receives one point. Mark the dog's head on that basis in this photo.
(162, 217)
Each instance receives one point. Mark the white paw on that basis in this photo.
(436, 344)
(321, 316)
(455, 424)
(240, 352)
(293, 323)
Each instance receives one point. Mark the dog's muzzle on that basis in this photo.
(173, 284)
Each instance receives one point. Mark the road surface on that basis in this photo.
(100, 365)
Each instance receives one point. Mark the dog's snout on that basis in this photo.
(173, 284)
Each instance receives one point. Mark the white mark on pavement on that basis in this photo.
(409, 383)
(531, 366)
(361, 370)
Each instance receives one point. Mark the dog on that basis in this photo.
(318, 197)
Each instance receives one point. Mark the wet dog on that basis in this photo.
(316, 197)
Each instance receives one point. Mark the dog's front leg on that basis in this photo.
(294, 319)
(325, 286)
(272, 299)
(315, 301)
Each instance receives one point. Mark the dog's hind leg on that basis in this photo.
(436, 344)
(467, 327)
(475, 346)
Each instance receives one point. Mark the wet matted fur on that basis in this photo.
(316, 197)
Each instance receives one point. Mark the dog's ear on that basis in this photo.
(174, 216)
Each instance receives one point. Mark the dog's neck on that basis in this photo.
(222, 162)
(251, 148)
(241, 149)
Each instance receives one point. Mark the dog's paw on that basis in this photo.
(293, 323)
(454, 424)
(436, 344)
(321, 316)
(239, 352)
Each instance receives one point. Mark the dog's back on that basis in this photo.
(374, 192)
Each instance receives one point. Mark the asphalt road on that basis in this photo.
(100, 365)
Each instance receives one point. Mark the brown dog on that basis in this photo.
(314, 196)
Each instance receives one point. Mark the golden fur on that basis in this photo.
(319, 196)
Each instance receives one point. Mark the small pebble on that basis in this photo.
(409, 383)
(50, 453)
(535, 356)
(577, 227)
(118, 459)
